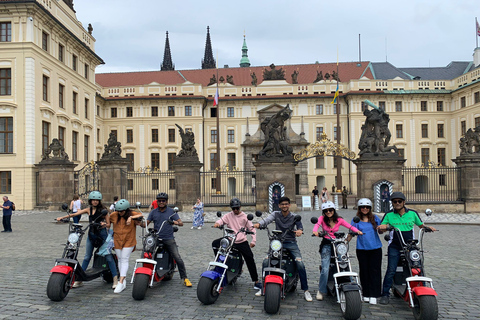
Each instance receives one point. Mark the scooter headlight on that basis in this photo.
(342, 249)
(224, 243)
(414, 255)
(149, 243)
(73, 238)
(276, 245)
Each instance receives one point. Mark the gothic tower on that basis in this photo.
(208, 62)
(167, 57)
(244, 62)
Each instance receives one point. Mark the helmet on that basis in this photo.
(122, 205)
(235, 203)
(95, 195)
(328, 205)
(162, 195)
(397, 195)
(364, 202)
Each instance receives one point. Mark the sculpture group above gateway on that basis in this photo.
(276, 138)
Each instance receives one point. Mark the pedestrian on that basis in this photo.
(158, 216)
(344, 198)
(75, 205)
(198, 215)
(403, 219)
(112, 206)
(96, 235)
(369, 251)
(325, 195)
(236, 220)
(276, 198)
(7, 214)
(153, 205)
(330, 222)
(385, 200)
(124, 239)
(314, 195)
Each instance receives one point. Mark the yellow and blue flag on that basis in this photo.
(335, 96)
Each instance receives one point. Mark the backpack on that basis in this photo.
(13, 206)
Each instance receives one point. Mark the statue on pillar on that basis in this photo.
(188, 143)
(113, 148)
(276, 139)
(57, 151)
(470, 142)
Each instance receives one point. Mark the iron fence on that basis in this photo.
(144, 185)
(218, 187)
(435, 185)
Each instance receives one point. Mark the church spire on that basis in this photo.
(208, 62)
(167, 57)
(244, 62)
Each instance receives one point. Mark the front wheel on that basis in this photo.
(207, 290)
(58, 286)
(351, 304)
(140, 285)
(425, 308)
(273, 294)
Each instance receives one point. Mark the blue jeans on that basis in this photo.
(325, 254)
(295, 252)
(89, 252)
(76, 219)
(393, 258)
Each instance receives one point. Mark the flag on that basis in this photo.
(215, 100)
(335, 96)
(478, 29)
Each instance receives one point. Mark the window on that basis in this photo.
(98, 156)
(319, 133)
(213, 112)
(155, 161)
(334, 133)
(401, 152)
(442, 181)
(98, 135)
(45, 41)
(154, 111)
(61, 52)
(87, 102)
(5, 82)
(61, 90)
(440, 132)
(399, 129)
(463, 128)
(230, 112)
(231, 136)
(188, 111)
(364, 106)
(214, 183)
(381, 105)
(425, 156)
(319, 109)
(129, 135)
(61, 135)
(85, 152)
(320, 162)
(98, 110)
(86, 70)
(154, 135)
(6, 135)
(129, 112)
(45, 80)
(213, 161)
(74, 62)
(171, 159)
(171, 135)
(463, 102)
(154, 184)
(74, 102)
(424, 130)
(335, 108)
(5, 182)
(476, 97)
(477, 122)
(213, 136)
(130, 184)
(171, 111)
(5, 32)
(441, 157)
(171, 184)
(113, 112)
(232, 163)
(439, 105)
(45, 136)
(131, 161)
(398, 106)
(74, 145)
(423, 106)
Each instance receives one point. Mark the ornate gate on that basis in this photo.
(86, 180)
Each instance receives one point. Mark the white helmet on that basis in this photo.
(364, 202)
(328, 205)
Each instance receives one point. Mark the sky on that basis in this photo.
(130, 35)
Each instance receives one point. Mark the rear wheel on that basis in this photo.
(351, 304)
(207, 290)
(140, 285)
(58, 286)
(425, 308)
(273, 294)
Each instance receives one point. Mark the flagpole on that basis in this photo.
(476, 32)
(338, 159)
(219, 180)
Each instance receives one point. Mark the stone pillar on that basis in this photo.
(371, 169)
(187, 181)
(112, 182)
(275, 170)
(55, 183)
(470, 181)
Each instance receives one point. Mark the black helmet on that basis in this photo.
(235, 203)
(397, 195)
(162, 195)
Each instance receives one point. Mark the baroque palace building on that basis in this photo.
(49, 89)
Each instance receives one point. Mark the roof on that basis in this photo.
(386, 71)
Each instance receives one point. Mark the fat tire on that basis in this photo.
(140, 285)
(206, 290)
(58, 286)
(353, 305)
(273, 295)
(425, 308)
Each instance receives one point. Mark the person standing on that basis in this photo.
(385, 200)
(276, 198)
(369, 251)
(112, 206)
(7, 214)
(314, 195)
(344, 198)
(75, 205)
(325, 195)
(198, 215)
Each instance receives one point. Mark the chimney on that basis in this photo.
(476, 57)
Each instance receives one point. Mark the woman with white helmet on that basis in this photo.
(369, 251)
(330, 222)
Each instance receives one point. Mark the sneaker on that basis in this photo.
(187, 282)
(120, 287)
(259, 293)
(319, 296)
(257, 285)
(366, 299)
(192, 228)
(373, 301)
(77, 284)
(199, 228)
(308, 296)
(384, 300)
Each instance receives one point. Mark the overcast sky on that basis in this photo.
(130, 35)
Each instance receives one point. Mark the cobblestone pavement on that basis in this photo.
(28, 253)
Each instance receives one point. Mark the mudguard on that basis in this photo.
(144, 270)
(350, 287)
(424, 291)
(274, 279)
(211, 274)
(62, 269)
